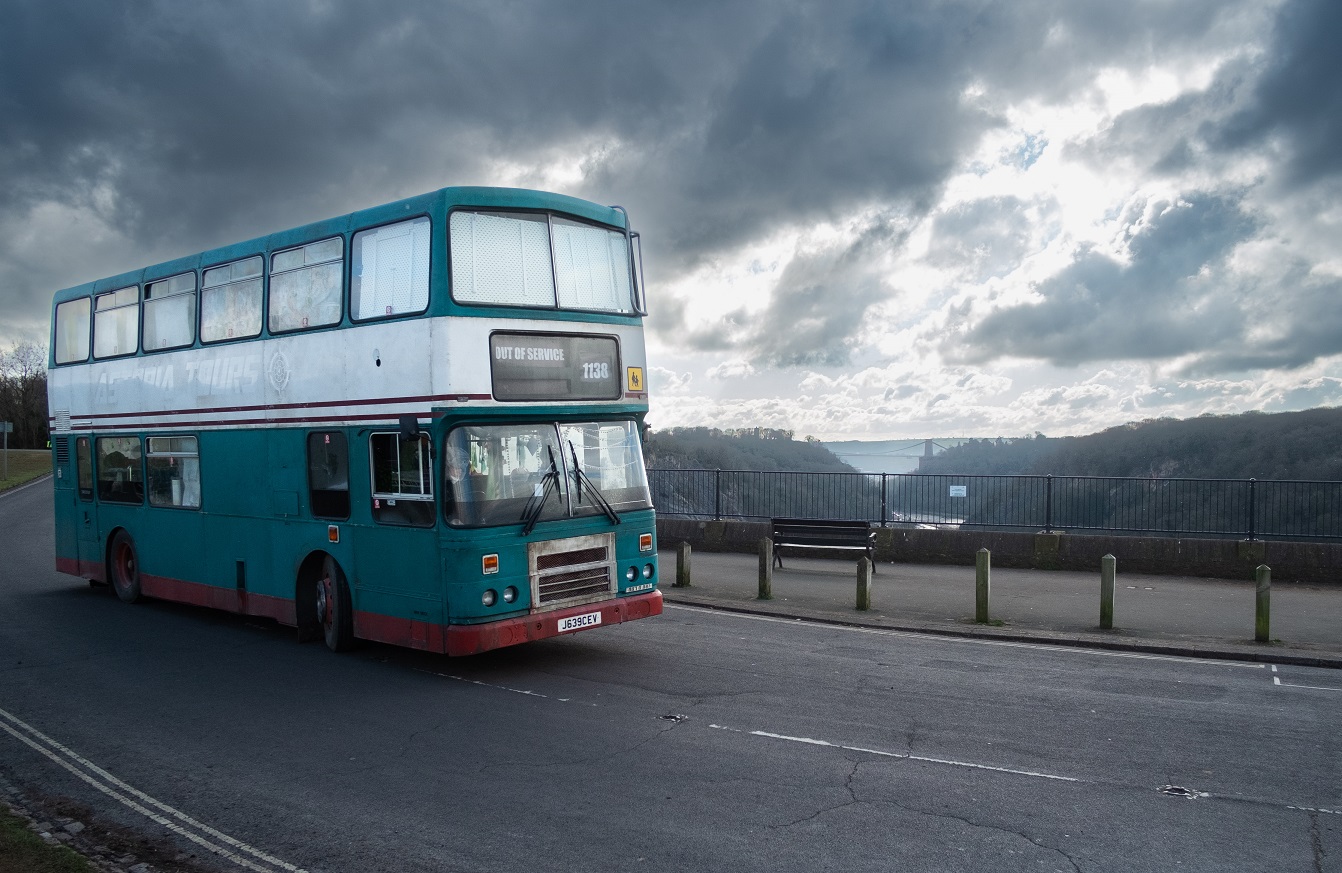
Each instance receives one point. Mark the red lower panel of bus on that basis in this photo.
(471, 639)
(87, 569)
(452, 640)
(231, 599)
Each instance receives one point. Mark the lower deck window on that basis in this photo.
(328, 475)
(174, 472)
(402, 479)
(120, 476)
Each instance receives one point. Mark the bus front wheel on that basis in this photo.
(334, 609)
(124, 567)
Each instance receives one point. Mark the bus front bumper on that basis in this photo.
(472, 639)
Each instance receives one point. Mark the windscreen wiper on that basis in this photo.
(531, 513)
(579, 477)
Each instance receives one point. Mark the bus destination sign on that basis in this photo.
(532, 366)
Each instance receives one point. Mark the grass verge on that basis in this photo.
(25, 465)
(22, 851)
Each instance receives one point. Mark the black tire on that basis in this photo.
(334, 607)
(305, 602)
(123, 567)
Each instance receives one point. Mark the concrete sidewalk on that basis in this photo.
(1170, 615)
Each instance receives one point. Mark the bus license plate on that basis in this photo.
(577, 622)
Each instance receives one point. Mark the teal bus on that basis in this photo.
(419, 424)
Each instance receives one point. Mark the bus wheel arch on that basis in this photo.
(322, 603)
(123, 566)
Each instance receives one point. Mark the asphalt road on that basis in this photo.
(694, 741)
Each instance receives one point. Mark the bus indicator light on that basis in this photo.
(332, 533)
(490, 564)
(645, 542)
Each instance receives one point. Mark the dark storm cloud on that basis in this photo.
(1298, 100)
(1168, 299)
(188, 125)
(1288, 100)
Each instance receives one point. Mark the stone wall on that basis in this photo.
(1223, 559)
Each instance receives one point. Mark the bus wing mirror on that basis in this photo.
(409, 428)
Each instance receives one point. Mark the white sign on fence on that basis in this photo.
(959, 490)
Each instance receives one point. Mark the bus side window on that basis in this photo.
(84, 463)
(306, 285)
(120, 477)
(116, 323)
(402, 480)
(230, 301)
(174, 472)
(73, 318)
(328, 475)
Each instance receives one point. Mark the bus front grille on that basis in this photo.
(571, 571)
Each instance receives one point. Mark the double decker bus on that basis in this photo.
(419, 424)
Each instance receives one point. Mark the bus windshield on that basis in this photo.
(511, 474)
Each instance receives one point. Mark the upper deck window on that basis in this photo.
(170, 312)
(305, 285)
(116, 323)
(72, 330)
(524, 259)
(389, 275)
(592, 267)
(230, 301)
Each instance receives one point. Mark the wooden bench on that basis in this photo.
(812, 533)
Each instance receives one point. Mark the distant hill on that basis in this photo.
(702, 448)
(1285, 445)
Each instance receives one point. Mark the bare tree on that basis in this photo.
(23, 394)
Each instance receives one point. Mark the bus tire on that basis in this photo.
(123, 567)
(334, 607)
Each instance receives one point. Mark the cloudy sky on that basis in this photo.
(861, 220)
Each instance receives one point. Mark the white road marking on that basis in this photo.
(496, 687)
(142, 803)
(904, 756)
(1010, 644)
(1278, 682)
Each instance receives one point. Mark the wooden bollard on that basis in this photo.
(683, 565)
(982, 574)
(766, 569)
(1262, 625)
(1108, 575)
(864, 570)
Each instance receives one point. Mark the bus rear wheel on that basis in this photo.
(334, 609)
(124, 567)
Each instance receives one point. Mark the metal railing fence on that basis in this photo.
(1241, 508)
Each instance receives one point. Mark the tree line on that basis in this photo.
(1303, 445)
(23, 395)
(760, 448)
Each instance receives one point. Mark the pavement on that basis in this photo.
(1165, 615)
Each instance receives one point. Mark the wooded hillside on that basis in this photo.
(702, 448)
(1286, 445)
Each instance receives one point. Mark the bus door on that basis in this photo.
(85, 511)
(396, 570)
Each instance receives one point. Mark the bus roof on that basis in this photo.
(435, 203)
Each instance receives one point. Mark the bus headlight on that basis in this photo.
(647, 571)
(489, 597)
(509, 594)
(631, 574)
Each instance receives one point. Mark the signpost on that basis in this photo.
(6, 427)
